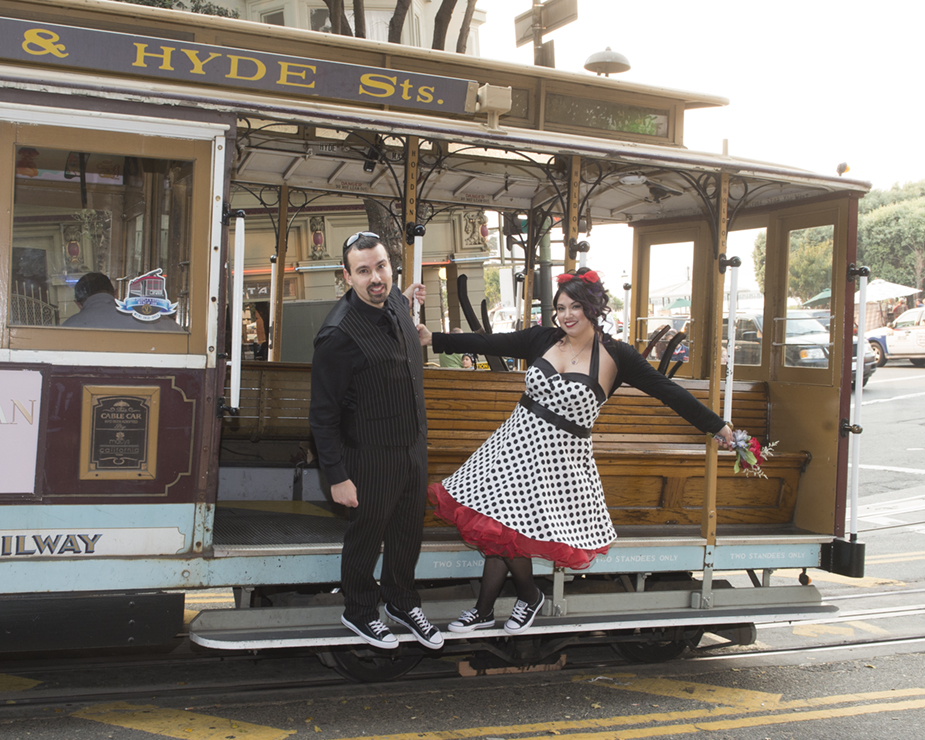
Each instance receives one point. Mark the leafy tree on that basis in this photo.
(492, 285)
(758, 257)
(194, 6)
(810, 263)
(891, 241)
(810, 268)
(878, 198)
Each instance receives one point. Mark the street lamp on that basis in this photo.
(607, 63)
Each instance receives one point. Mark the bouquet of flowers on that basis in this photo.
(750, 454)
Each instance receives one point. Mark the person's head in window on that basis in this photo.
(468, 362)
(96, 297)
(91, 284)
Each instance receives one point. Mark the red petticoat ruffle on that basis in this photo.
(492, 537)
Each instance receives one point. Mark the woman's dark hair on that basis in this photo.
(585, 287)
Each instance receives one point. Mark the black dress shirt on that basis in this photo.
(337, 359)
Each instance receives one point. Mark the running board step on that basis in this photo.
(320, 626)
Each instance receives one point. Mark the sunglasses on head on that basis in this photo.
(352, 239)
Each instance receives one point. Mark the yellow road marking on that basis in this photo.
(892, 559)
(867, 627)
(816, 630)
(692, 714)
(735, 724)
(701, 692)
(176, 723)
(870, 558)
(821, 575)
(15, 683)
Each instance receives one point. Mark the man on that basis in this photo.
(368, 419)
(96, 298)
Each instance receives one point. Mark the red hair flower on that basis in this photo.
(589, 277)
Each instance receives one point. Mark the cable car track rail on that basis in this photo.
(237, 688)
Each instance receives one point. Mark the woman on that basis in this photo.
(532, 489)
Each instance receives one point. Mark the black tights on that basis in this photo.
(494, 575)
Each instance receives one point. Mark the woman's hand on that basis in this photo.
(425, 335)
(724, 438)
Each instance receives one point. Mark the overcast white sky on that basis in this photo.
(811, 83)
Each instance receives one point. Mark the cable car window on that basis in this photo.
(751, 245)
(88, 224)
(809, 282)
(670, 294)
(605, 115)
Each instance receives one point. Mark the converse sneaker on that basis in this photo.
(470, 620)
(424, 632)
(374, 632)
(523, 615)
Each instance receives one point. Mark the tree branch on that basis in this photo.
(339, 23)
(463, 38)
(398, 21)
(359, 18)
(442, 23)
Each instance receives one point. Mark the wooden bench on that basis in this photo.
(651, 461)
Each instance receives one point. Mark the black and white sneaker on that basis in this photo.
(374, 632)
(523, 615)
(470, 620)
(424, 632)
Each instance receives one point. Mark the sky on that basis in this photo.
(810, 83)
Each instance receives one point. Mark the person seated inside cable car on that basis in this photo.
(95, 295)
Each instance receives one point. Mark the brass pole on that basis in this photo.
(282, 241)
(411, 210)
(715, 343)
(571, 222)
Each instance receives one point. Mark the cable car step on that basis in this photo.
(286, 627)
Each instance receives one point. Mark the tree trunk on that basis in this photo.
(442, 23)
(382, 223)
(398, 21)
(339, 23)
(463, 38)
(359, 19)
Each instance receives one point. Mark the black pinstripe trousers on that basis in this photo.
(391, 485)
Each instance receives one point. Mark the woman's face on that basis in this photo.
(466, 361)
(571, 316)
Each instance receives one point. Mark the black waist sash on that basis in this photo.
(559, 422)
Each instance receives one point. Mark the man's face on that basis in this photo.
(370, 274)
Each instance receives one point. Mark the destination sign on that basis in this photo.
(179, 61)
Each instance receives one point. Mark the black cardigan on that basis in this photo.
(632, 368)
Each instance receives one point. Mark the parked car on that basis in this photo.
(901, 339)
(807, 342)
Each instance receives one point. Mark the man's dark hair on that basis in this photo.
(91, 284)
(365, 240)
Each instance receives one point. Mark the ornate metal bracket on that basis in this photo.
(725, 262)
(847, 428)
(855, 271)
(576, 246)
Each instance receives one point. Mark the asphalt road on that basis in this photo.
(858, 675)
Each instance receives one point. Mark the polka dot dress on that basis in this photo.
(536, 478)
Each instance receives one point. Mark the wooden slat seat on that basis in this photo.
(651, 461)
